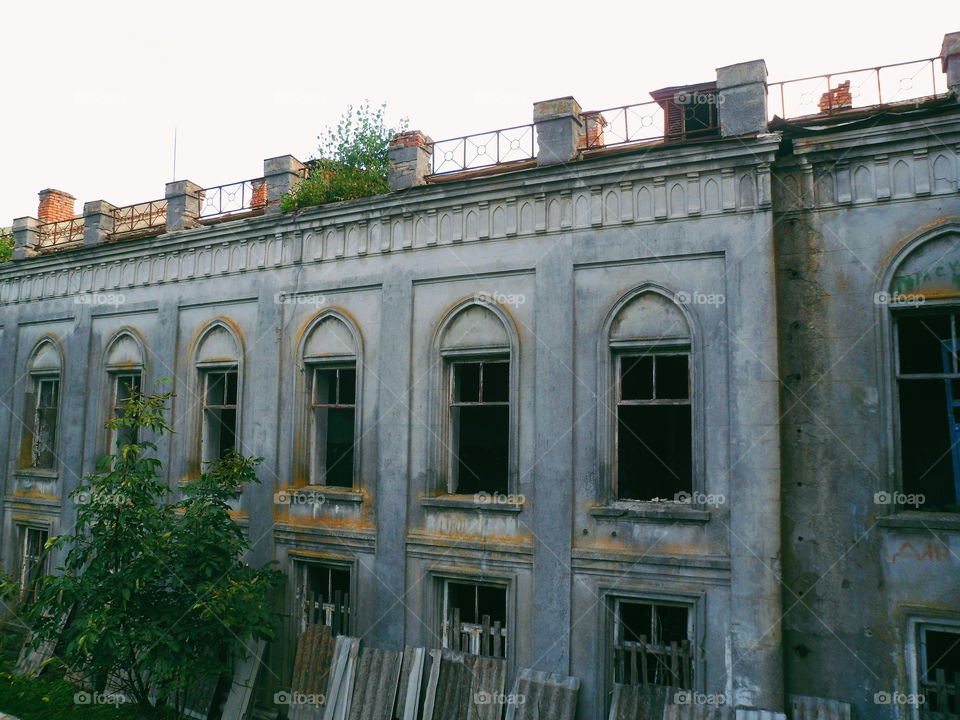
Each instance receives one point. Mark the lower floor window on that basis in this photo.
(475, 618)
(32, 560)
(939, 664)
(652, 643)
(323, 596)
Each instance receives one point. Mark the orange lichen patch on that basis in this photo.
(517, 539)
(330, 521)
(36, 493)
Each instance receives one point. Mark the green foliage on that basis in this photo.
(45, 699)
(352, 161)
(9, 587)
(6, 248)
(156, 592)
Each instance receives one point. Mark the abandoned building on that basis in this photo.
(653, 396)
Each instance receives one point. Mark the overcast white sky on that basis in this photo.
(92, 90)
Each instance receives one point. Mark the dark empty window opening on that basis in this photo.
(654, 431)
(334, 406)
(475, 618)
(652, 643)
(32, 560)
(43, 439)
(323, 596)
(940, 670)
(928, 380)
(480, 426)
(219, 412)
(124, 386)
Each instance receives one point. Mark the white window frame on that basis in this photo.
(205, 370)
(317, 475)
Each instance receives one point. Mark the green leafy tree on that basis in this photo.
(157, 597)
(6, 248)
(352, 160)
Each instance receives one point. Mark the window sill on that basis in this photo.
(39, 474)
(469, 502)
(662, 512)
(921, 520)
(327, 492)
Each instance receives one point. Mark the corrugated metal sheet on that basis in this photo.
(640, 702)
(464, 687)
(803, 707)
(411, 680)
(375, 687)
(545, 696)
(238, 702)
(749, 714)
(311, 671)
(701, 711)
(342, 673)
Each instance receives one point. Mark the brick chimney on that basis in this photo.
(55, 206)
(836, 98)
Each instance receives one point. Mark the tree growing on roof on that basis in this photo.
(352, 160)
(157, 599)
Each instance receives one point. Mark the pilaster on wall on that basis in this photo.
(98, 220)
(410, 160)
(559, 125)
(950, 61)
(282, 175)
(26, 237)
(742, 98)
(183, 205)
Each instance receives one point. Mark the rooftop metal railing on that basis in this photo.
(58, 234)
(867, 87)
(141, 216)
(486, 149)
(238, 197)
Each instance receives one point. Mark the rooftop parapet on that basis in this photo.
(740, 102)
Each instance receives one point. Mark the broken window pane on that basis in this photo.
(940, 668)
(655, 636)
(929, 395)
(654, 427)
(470, 608)
(334, 420)
(480, 427)
(43, 446)
(32, 560)
(125, 385)
(219, 413)
(317, 594)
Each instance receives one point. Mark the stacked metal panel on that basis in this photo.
(697, 711)
(311, 672)
(746, 714)
(464, 687)
(343, 671)
(641, 702)
(803, 707)
(411, 682)
(239, 703)
(375, 685)
(539, 695)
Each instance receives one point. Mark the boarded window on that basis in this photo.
(480, 425)
(940, 670)
(475, 618)
(929, 396)
(219, 412)
(32, 560)
(652, 643)
(323, 596)
(333, 406)
(654, 432)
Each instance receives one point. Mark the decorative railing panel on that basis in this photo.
(238, 197)
(142, 216)
(487, 149)
(868, 87)
(622, 125)
(57, 234)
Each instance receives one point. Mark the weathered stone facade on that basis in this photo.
(765, 252)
